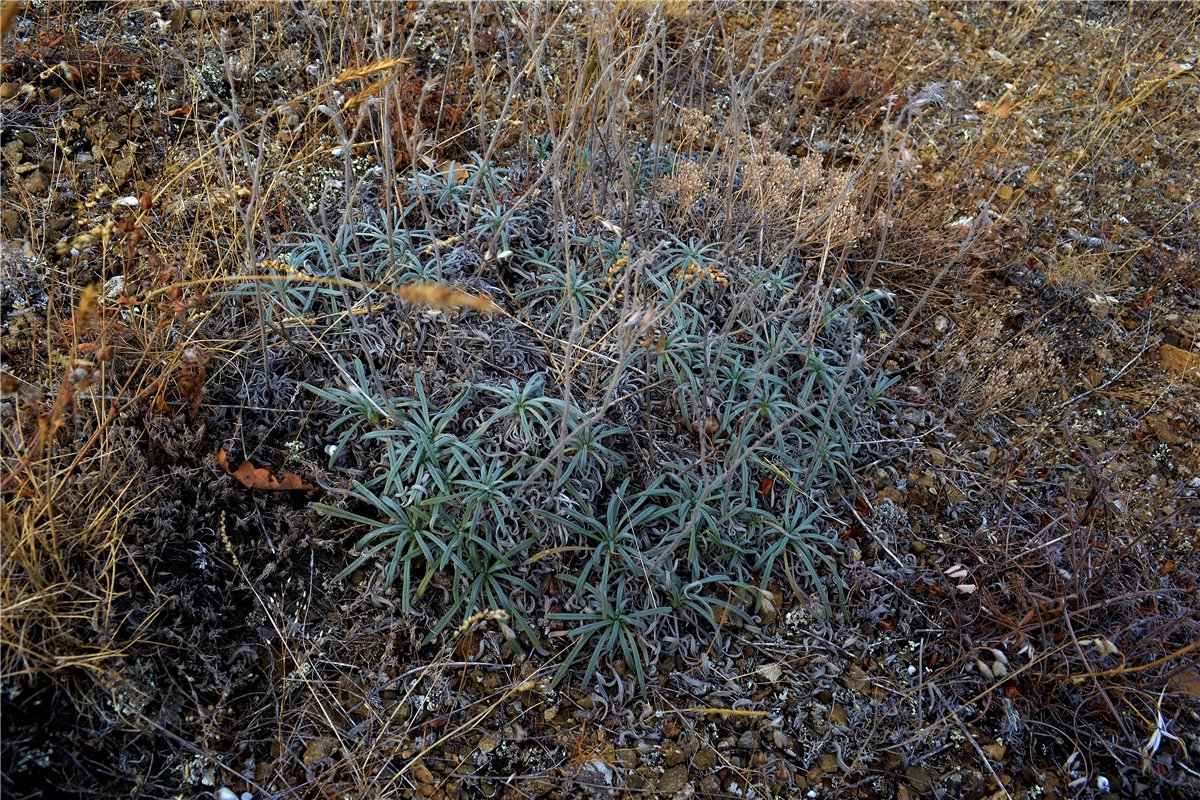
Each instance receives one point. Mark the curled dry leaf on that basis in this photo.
(956, 572)
(262, 477)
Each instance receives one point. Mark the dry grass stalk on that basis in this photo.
(444, 298)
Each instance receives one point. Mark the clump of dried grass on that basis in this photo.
(1002, 368)
(800, 200)
(66, 500)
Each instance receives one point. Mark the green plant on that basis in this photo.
(765, 382)
(574, 293)
(532, 415)
(793, 536)
(422, 455)
(615, 544)
(484, 579)
(405, 533)
(612, 625)
(586, 447)
(362, 411)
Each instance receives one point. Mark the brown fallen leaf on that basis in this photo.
(1178, 361)
(1186, 682)
(263, 477)
(8, 13)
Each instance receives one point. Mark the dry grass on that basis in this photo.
(789, 149)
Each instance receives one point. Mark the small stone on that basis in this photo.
(1177, 361)
(890, 493)
(705, 760)
(421, 773)
(673, 780)
(11, 220)
(1163, 428)
(9, 89)
(919, 779)
(14, 152)
(770, 672)
(672, 754)
(36, 183)
(122, 169)
(314, 751)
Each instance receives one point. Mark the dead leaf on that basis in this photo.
(1178, 361)
(263, 477)
(1001, 110)
(996, 55)
(454, 169)
(7, 14)
(1186, 682)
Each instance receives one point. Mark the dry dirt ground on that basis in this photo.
(1013, 534)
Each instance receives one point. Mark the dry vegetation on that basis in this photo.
(647, 399)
